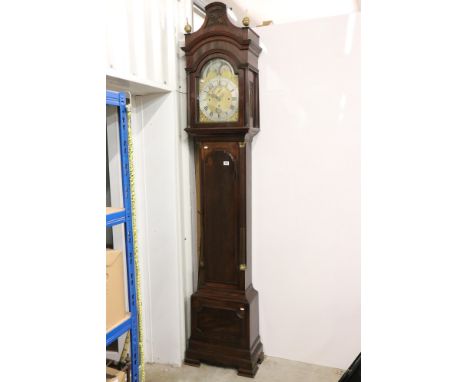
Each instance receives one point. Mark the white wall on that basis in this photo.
(144, 57)
(158, 226)
(306, 191)
(140, 37)
(281, 12)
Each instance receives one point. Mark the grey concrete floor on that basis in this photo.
(271, 370)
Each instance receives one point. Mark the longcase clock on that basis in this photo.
(223, 117)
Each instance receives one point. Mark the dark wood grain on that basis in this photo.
(220, 191)
(224, 309)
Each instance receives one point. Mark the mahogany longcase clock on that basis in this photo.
(223, 117)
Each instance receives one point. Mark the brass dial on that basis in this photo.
(218, 92)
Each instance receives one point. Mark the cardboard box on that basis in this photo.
(115, 293)
(114, 375)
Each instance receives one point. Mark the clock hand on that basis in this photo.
(215, 96)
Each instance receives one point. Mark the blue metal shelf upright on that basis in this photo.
(124, 216)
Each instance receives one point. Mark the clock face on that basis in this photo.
(218, 93)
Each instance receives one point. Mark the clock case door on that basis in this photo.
(224, 219)
(224, 309)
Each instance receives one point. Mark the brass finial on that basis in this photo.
(187, 27)
(246, 21)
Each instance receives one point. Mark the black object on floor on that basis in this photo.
(353, 374)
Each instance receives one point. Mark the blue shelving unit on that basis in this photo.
(115, 217)
(124, 216)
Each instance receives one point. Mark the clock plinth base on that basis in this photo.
(192, 362)
(225, 330)
(261, 358)
(245, 361)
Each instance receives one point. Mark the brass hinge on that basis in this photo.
(243, 267)
(242, 144)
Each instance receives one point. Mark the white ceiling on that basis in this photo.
(281, 11)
